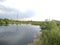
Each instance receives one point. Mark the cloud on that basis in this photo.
(7, 12)
(2, 0)
(27, 14)
(3, 8)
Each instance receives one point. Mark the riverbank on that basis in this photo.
(50, 31)
(50, 34)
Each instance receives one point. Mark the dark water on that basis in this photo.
(17, 34)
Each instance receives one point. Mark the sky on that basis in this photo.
(30, 9)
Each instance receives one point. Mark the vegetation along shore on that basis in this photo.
(50, 30)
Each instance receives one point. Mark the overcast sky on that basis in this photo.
(30, 9)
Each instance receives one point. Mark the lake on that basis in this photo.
(20, 34)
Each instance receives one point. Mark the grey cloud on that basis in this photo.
(3, 8)
(2, 0)
(7, 12)
(13, 13)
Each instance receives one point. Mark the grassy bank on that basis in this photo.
(50, 33)
(6, 21)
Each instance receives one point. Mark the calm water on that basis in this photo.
(18, 34)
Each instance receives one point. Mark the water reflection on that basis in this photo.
(9, 35)
(3, 24)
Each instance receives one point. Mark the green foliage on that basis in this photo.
(51, 36)
(6, 21)
(37, 43)
(50, 33)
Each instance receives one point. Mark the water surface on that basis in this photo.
(18, 34)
